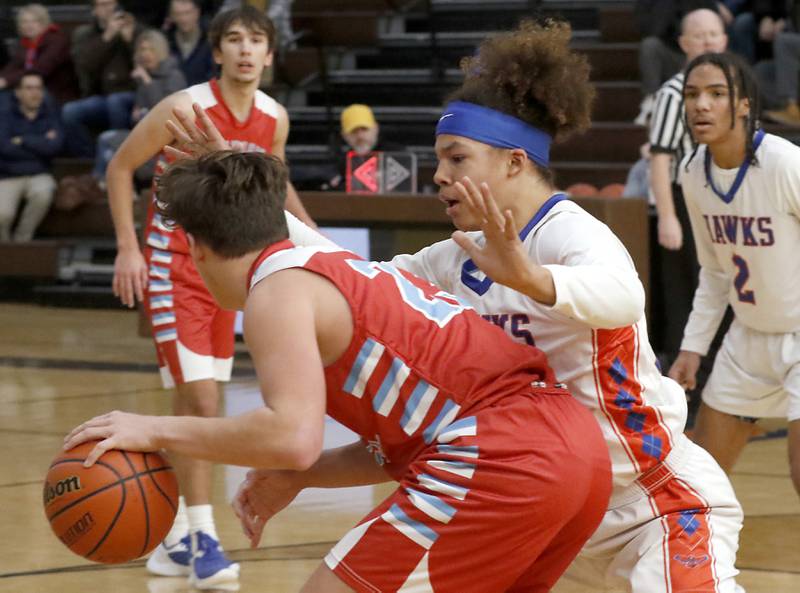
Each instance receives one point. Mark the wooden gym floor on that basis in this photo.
(60, 366)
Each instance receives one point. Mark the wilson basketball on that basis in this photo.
(117, 510)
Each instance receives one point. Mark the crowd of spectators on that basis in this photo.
(77, 91)
(764, 32)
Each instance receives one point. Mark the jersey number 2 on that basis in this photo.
(746, 296)
(435, 308)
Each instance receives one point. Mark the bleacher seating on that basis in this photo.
(401, 57)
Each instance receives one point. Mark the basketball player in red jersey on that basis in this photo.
(502, 475)
(194, 337)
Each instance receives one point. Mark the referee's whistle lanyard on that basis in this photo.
(728, 196)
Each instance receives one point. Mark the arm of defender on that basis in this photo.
(293, 203)
(145, 141)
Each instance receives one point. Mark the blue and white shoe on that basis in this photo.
(171, 561)
(211, 569)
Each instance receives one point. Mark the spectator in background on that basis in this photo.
(42, 47)
(757, 27)
(361, 134)
(103, 55)
(787, 79)
(30, 135)
(660, 57)
(157, 75)
(188, 42)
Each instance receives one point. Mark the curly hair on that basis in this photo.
(532, 74)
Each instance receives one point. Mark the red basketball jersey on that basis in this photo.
(420, 363)
(255, 134)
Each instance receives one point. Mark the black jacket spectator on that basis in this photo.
(39, 141)
(198, 65)
(103, 67)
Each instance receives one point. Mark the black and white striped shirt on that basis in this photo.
(668, 133)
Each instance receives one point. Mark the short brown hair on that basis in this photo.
(250, 17)
(230, 201)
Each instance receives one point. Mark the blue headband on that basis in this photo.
(496, 129)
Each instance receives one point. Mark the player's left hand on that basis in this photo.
(503, 257)
(263, 494)
(194, 137)
(115, 430)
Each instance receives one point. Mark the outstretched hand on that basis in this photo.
(194, 137)
(502, 257)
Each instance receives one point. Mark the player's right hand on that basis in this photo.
(130, 276)
(684, 370)
(264, 493)
(194, 137)
(670, 234)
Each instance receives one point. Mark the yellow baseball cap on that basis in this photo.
(357, 116)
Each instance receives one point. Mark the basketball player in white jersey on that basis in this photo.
(193, 336)
(567, 284)
(743, 193)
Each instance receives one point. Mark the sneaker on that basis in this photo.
(171, 561)
(211, 569)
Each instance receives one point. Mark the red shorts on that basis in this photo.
(193, 336)
(504, 506)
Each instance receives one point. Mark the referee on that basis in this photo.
(702, 31)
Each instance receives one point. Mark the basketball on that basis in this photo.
(117, 510)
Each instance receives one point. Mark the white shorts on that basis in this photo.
(756, 375)
(676, 532)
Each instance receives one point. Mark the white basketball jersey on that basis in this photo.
(611, 371)
(748, 241)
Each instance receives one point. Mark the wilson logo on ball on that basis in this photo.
(77, 529)
(70, 484)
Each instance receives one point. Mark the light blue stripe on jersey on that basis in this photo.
(431, 505)
(446, 415)
(162, 257)
(470, 451)
(414, 530)
(161, 302)
(363, 367)
(461, 428)
(417, 406)
(159, 272)
(458, 468)
(438, 485)
(157, 240)
(163, 318)
(388, 392)
(159, 286)
(166, 335)
(159, 222)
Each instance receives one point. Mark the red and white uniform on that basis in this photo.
(194, 337)
(502, 475)
(673, 521)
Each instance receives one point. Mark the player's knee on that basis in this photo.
(191, 400)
